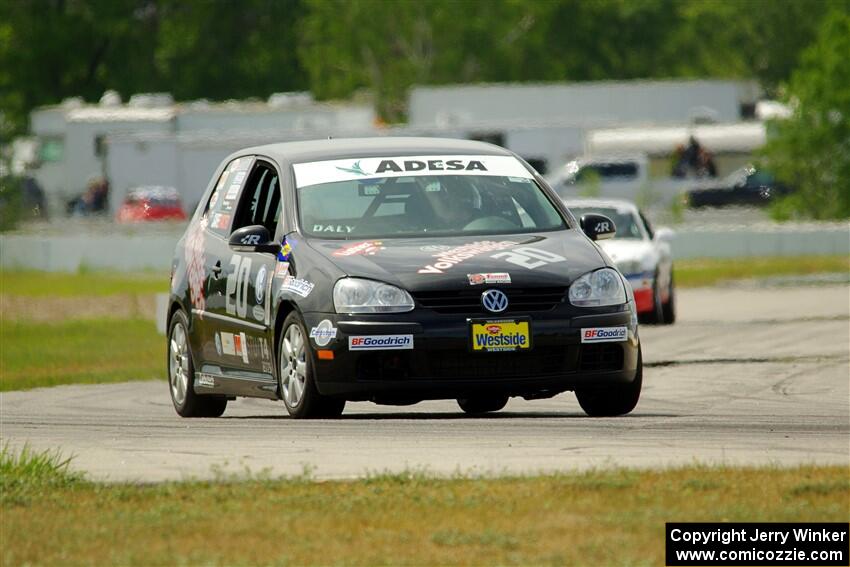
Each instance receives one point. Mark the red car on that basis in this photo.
(151, 204)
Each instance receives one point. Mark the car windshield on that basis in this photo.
(624, 219)
(431, 196)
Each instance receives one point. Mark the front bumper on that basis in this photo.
(442, 365)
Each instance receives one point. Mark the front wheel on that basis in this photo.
(617, 399)
(482, 404)
(181, 372)
(295, 376)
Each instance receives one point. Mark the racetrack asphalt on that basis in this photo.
(747, 376)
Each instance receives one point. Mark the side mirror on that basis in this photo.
(664, 234)
(254, 238)
(598, 227)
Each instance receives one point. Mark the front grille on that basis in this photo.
(601, 357)
(474, 366)
(520, 300)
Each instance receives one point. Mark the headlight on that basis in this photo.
(353, 295)
(597, 289)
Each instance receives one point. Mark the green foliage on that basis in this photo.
(811, 151)
(25, 474)
(10, 202)
(219, 49)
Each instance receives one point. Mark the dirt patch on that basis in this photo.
(56, 309)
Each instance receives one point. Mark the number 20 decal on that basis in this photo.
(237, 285)
(530, 258)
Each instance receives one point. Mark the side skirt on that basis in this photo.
(212, 381)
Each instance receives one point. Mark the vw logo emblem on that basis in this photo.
(494, 300)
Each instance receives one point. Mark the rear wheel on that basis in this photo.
(482, 404)
(295, 377)
(668, 309)
(181, 375)
(657, 314)
(618, 399)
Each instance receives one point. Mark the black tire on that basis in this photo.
(483, 404)
(309, 404)
(668, 309)
(614, 400)
(189, 404)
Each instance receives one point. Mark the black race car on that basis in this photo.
(394, 270)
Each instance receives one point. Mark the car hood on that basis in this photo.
(420, 264)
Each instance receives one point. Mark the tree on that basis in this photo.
(811, 150)
(52, 49)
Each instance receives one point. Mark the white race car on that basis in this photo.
(641, 254)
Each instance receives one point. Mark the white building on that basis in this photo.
(587, 104)
(152, 140)
(75, 139)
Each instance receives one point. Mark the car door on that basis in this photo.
(206, 246)
(243, 344)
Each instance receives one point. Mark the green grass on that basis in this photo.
(711, 271)
(79, 352)
(36, 284)
(612, 517)
(26, 473)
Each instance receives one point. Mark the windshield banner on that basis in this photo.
(314, 173)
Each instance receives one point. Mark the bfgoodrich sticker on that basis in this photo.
(381, 342)
(603, 334)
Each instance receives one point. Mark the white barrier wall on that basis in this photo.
(770, 240)
(138, 252)
(126, 253)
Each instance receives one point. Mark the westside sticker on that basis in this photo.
(297, 286)
(491, 278)
(603, 334)
(381, 342)
(323, 333)
(368, 248)
(449, 258)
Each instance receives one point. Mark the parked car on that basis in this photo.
(151, 203)
(745, 186)
(394, 270)
(640, 253)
